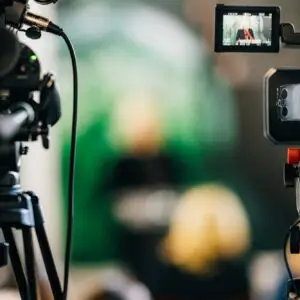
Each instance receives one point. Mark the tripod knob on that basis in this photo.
(3, 254)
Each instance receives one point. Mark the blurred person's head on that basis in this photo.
(245, 22)
(209, 225)
(137, 124)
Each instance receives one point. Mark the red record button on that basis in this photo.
(293, 156)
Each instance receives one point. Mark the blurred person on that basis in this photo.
(155, 112)
(245, 33)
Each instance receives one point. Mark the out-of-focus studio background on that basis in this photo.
(178, 194)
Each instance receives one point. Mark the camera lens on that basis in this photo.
(283, 94)
(284, 111)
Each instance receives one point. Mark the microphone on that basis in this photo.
(42, 23)
(11, 124)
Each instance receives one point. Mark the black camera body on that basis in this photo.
(26, 75)
(257, 29)
(21, 80)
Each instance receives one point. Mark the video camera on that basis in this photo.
(23, 118)
(257, 29)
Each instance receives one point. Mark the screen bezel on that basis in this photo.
(222, 10)
(283, 133)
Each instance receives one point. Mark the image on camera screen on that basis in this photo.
(247, 29)
(288, 102)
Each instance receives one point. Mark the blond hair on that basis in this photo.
(209, 224)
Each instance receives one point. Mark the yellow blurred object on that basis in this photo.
(137, 124)
(208, 224)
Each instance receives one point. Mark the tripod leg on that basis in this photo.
(29, 262)
(46, 249)
(49, 262)
(16, 263)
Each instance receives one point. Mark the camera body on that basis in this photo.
(257, 29)
(26, 75)
(24, 91)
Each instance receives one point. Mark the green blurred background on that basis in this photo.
(162, 119)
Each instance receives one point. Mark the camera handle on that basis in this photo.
(288, 35)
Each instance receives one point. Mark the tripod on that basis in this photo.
(21, 210)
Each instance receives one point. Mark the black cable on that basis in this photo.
(72, 166)
(288, 268)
